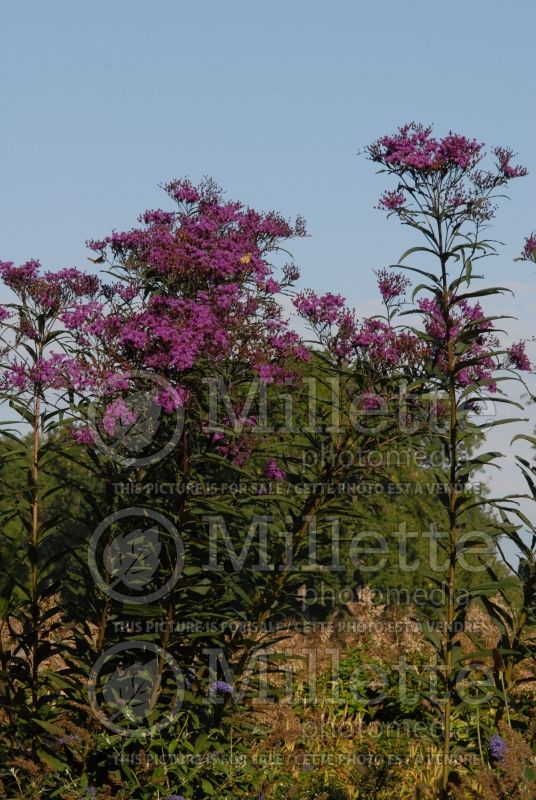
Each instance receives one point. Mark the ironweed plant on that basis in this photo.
(445, 191)
(181, 476)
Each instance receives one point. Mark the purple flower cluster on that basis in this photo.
(342, 334)
(391, 201)
(497, 748)
(221, 687)
(158, 217)
(274, 472)
(57, 371)
(18, 278)
(384, 345)
(84, 436)
(79, 283)
(323, 309)
(213, 292)
(529, 250)
(213, 240)
(457, 199)
(50, 291)
(414, 148)
(425, 164)
(477, 363)
(392, 285)
(182, 191)
(504, 157)
(41, 298)
(116, 411)
(212, 295)
(518, 357)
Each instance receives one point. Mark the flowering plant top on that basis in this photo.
(449, 166)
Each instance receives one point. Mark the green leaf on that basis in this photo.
(53, 762)
(529, 774)
(49, 727)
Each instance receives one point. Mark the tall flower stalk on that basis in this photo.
(446, 195)
(35, 374)
(35, 501)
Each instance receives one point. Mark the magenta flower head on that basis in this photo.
(45, 294)
(518, 357)
(83, 436)
(430, 169)
(210, 277)
(497, 748)
(274, 472)
(183, 192)
(529, 250)
(413, 148)
(323, 309)
(371, 402)
(391, 285)
(504, 157)
(391, 201)
(157, 217)
(18, 278)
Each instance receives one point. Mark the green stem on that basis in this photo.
(501, 675)
(452, 545)
(35, 611)
(478, 734)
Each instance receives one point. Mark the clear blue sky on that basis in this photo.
(101, 101)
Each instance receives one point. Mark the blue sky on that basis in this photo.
(102, 101)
